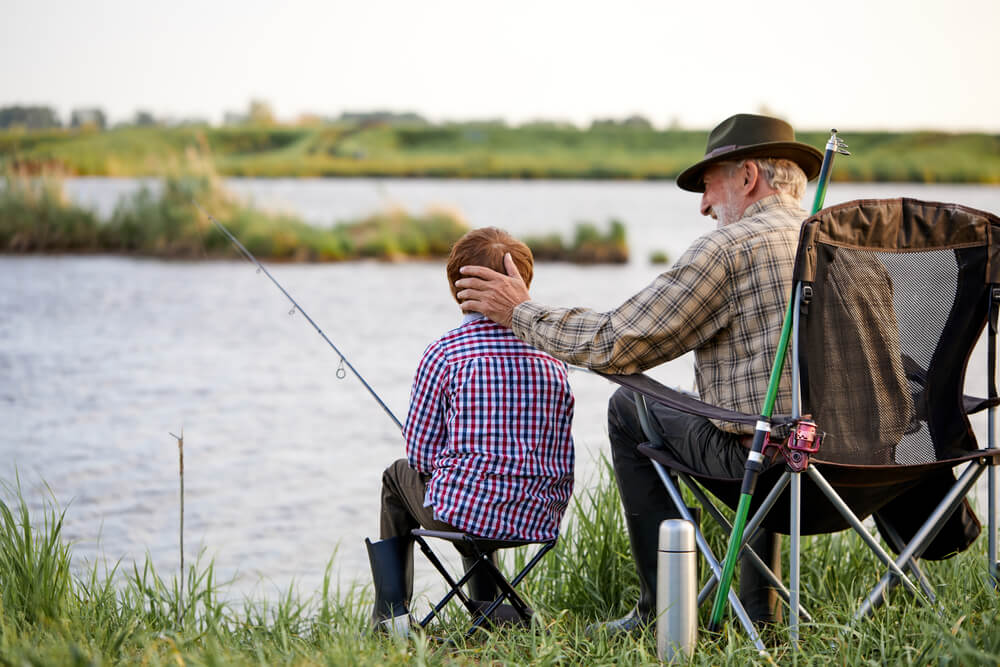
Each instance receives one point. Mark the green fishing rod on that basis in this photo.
(295, 306)
(755, 458)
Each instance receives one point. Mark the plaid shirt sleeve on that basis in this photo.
(680, 310)
(425, 431)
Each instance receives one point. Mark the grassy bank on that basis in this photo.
(37, 217)
(135, 615)
(478, 150)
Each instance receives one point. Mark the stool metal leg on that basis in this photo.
(455, 587)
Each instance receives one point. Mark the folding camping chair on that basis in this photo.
(480, 550)
(891, 297)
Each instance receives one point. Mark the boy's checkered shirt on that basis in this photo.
(489, 421)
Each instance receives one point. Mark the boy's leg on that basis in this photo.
(403, 491)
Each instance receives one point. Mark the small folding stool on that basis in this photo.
(480, 549)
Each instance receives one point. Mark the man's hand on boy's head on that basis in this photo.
(493, 294)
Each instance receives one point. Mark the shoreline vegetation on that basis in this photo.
(54, 610)
(37, 217)
(542, 150)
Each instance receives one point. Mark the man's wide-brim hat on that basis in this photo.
(748, 136)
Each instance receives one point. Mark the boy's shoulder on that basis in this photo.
(483, 337)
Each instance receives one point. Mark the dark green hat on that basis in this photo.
(747, 136)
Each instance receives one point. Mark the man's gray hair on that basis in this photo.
(783, 175)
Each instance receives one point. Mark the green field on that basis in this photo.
(54, 613)
(474, 150)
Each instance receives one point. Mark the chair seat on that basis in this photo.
(865, 489)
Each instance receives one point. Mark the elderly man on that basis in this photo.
(724, 299)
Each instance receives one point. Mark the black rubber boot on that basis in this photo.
(644, 535)
(646, 504)
(758, 597)
(392, 574)
(481, 586)
(483, 591)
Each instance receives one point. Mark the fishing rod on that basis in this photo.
(295, 306)
(756, 456)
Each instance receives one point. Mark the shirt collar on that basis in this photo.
(472, 317)
(777, 200)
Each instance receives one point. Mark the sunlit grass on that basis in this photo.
(129, 615)
(479, 150)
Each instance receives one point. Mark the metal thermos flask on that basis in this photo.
(676, 591)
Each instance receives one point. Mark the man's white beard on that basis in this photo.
(726, 213)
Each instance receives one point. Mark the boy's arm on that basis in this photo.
(425, 430)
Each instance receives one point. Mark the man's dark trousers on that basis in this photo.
(695, 442)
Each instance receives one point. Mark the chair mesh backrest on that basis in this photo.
(899, 298)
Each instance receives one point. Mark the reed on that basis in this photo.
(589, 245)
(35, 216)
(55, 617)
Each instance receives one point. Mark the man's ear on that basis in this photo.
(751, 174)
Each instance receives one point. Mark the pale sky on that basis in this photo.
(850, 64)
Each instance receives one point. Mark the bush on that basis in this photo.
(36, 216)
(589, 245)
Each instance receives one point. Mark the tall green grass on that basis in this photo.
(36, 216)
(50, 615)
(589, 245)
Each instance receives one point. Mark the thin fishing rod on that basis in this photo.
(756, 457)
(296, 306)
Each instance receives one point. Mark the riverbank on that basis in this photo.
(54, 613)
(476, 150)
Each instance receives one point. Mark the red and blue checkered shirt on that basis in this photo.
(489, 421)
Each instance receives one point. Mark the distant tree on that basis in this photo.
(545, 124)
(29, 117)
(88, 117)
(260, 113)
(383, 117)
(637, 122)
(598, 123)
(634, 121)
(144, 119)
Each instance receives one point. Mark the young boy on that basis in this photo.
(488, 443)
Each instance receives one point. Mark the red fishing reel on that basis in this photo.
(802, 441)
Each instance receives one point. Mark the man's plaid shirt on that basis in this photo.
(725, 298)
(490, 421)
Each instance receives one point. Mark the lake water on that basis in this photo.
(101, 358)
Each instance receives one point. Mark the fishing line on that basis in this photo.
(341, 373)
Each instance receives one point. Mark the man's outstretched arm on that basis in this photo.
(493, 294)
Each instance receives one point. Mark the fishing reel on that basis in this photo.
(803, 441)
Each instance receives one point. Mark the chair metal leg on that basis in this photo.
(748, 534)
(919, 541)
(706, 551)
(912, 564)
(794, 573)
(993, 486)
(859, 528)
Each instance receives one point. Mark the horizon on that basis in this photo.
(889, 66)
